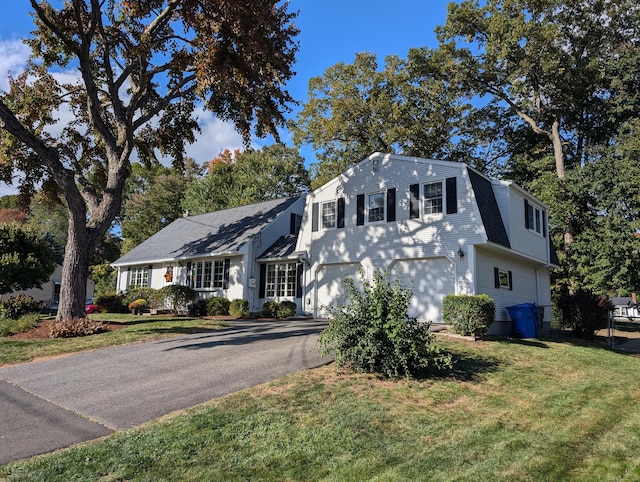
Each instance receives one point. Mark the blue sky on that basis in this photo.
(332, 31)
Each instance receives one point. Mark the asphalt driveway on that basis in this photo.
(51, 404)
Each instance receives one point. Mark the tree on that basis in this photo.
(25, 259)
(153, 200)
(142, 67)
(236, 179)
(556, 81)
(355, 110)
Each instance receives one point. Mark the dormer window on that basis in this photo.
(534, 218)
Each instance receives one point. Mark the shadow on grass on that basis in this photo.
(466, 367)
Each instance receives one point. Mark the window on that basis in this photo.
(207, 274)
(139, 277)
(433, 198)
(376, 207)
(281, 280)
(329, 215)
(503, 279)
(534, 218)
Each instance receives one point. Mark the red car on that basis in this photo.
(91, 307)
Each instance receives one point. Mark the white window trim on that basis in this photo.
(433, 216)
(335, 214)
(503, 276)
(272, 288)
(199, 284)
(536, 225)
(368, 207)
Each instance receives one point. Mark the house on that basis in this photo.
(49, 292)
(625, 307)
(244, 252)
(442, 226)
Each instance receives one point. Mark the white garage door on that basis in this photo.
(329, 289)
(433, 278)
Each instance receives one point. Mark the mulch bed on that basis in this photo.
(43, 329)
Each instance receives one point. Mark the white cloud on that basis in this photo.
(216, 136)
(13, 58)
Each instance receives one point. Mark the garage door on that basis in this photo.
(433, 278)
(329, 289)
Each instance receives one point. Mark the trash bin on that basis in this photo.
(524, 319)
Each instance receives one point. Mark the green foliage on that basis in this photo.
(218, 306)
(16, 306)
(111, 302)
(287, 308)
(26, 261)
(584, 313)
(239, 308)
(9, 326)
(270, 309)
(356, 109)
(177, 298)
(470, 315)
(76, 327)
(372, 332)
(104, 277)
(252, 176)
(145, 293)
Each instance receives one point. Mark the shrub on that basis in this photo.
(270, 309)
(470, 315)
(239, 308)
(76, 327)
(372, 332)
(584, 312)
(111, 302)
(177, 298)
(138, 304)
(16, 306)
(133, 294)
(218, 306)
(198, 307)
(287, 308)
(22, 324)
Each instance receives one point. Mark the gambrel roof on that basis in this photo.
(219, 232)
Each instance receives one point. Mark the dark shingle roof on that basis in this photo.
(282, 248)
(218, 232)
(489, 211)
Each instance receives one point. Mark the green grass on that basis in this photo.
(24, 323)
(509, 411)
(138, 329)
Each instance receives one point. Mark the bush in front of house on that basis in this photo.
(177, 298)
(270, 309)
(76, 327)
(286, 309)
(111, 302)
(144, 293)
(198, 307)
(16, 306)
(218, 306)
(584, 312)
(137, 305)
(372, 331)
(469, 315)
(239, 308)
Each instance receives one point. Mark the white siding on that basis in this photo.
(522, 239)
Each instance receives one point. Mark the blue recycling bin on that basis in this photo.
(524, 319)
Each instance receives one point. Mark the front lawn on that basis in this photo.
(510, 411)
(134, 329)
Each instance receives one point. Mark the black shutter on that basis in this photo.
(360, 207)
(225, 281)
(314, 217)
(299, 280)
(340, 212)
(189, 279)
(391, 205)
(496, 277)
(510, 281)
(263, 281)
(452, 195)
(414, 201)
(526, 214)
